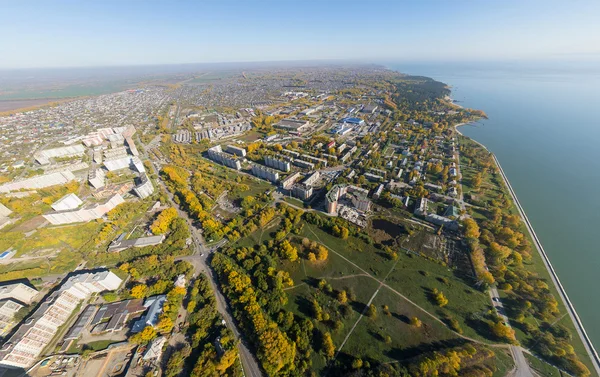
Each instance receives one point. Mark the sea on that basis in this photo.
(544, 127)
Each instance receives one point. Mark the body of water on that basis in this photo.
(544, 127)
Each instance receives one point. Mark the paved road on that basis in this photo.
(521, 365)
(199, 261)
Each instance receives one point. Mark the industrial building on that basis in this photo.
(276, 163)
(43, 157)
(145, 188)
(97, 178)
(121, 244)
(37, 182)
(235, 150)
(155, 307)
(4, 216)
(292, 124)
(19, 292)
(8, 309)
(358, 197)
(113, 316)
(369, 109)
(126, 162)
(265, 173)
(69, 201)
(216, 154)
(24, 347)
(84, 214)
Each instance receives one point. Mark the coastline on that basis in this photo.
(562, 292)
(579, 327)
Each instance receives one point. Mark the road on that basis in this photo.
(593, 355)
(199, 260)
(522, 368)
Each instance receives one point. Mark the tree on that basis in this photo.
(344, 233)
(357, 363)
(139, 291)
(328, 347)
(322, 253)
(288, 251)
(165, 324)
(372, 311)
(439, 297)
(312, 257)
(471, 229)
(416, 322)
(143, 337)
(503, 331)
(163, 221)
(342, 297)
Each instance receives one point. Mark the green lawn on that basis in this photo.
(542, 368)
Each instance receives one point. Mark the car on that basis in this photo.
(495, 299)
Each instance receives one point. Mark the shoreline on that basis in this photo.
(579, 327)
(592, 353)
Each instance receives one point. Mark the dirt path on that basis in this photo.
(383, 284)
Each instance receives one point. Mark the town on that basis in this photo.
(245, 223)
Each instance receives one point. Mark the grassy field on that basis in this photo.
(415, 277)
(542, 368)
(358, 268)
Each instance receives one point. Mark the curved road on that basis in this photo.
(250, 366)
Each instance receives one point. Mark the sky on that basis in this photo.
(61, 33)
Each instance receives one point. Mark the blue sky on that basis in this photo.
(131, 32)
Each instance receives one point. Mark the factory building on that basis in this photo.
(276, 163)
(216, 154)
(265, 173)
(43, 157)
(84, 214)
(121, 244)
(40, 181)
(126, 162)
(235, 150)
(8, 309)
(69, 201)
(19, 292)
(145, 188)
(97, 178)
(24, 347)
(292, 124)
(4, 213)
